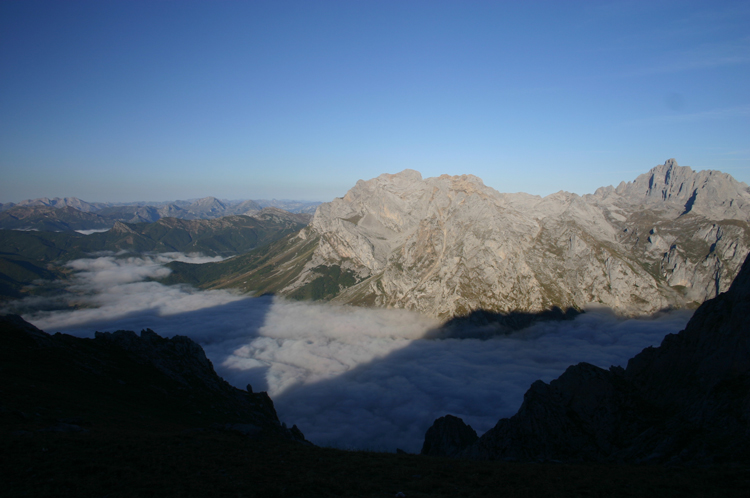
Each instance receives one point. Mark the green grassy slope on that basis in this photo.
(17, 272)
(28, 254)
(267, 269)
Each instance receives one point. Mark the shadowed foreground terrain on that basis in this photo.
(123, 415)
(685, 402)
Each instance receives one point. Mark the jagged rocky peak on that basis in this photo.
(398, 202)
(680, 190)
(404, 177)
(386, 202)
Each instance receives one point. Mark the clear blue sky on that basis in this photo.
(161, 100)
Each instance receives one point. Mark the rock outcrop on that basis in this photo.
(125, 378)
(448, 436)
(675, 191)
(686, 402)
(450, 245)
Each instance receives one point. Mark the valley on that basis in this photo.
(34, 260)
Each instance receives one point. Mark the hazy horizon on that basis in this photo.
(306, 200)
(164, 201)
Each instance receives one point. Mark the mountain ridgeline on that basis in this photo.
(70, 213)
(28, 257)
(449, 246)
(225, 236)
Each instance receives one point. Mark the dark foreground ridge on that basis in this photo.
(123, 379)
(124, 415)
(685, 402)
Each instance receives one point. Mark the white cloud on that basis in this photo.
(303, 343)
(391, 402)
(108, 288)
(349, 377)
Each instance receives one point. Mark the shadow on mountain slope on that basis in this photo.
(61, 383)
(483, 324)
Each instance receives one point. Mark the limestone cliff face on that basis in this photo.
(449, 245)
(675, 190)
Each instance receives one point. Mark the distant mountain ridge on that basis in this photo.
(27, 257)
(66, 213)
(450, 245)
(51, 219)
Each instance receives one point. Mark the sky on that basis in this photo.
(162, 100)
(348, 377)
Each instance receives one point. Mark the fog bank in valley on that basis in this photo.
(348, 377)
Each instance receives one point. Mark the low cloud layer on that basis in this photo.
(391, 402)
(348, 377)
(112, 287)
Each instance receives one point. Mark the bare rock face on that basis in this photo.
(450, 245)
(448, 436)
(685, 402)
(677, 190)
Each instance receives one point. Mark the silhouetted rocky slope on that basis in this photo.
(448, 436)
(687, 401)
(121, 379)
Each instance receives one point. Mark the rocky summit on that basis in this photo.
(448, 246)
(685, 402)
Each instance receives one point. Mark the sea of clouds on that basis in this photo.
(348, 377)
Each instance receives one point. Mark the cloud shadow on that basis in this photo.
(390, 402)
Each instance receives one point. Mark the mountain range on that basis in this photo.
(28, 257)
(450, 246)
(70, 213)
